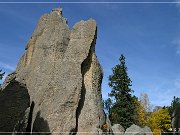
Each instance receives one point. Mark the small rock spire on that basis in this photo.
(57, 10)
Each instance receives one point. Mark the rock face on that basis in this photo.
(63, 76)
(118, 129)
(136, 130)
(176, 120)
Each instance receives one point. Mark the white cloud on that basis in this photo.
(161, 97)
(4, 77)
(7, 69)
(164, 95)
(7, 66)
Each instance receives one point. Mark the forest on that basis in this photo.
(126, 109)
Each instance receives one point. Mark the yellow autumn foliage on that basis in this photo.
(104, 127)
(159, 121)
(141, 114)
(143, 108)
(156, 132)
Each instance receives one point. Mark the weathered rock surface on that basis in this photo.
(118, 129)
(147, 130)
(62, 75)
(96, 131)
(136, 130)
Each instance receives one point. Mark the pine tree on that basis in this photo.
(174, 104)
(108, 105)
(1, 75)
(123, 109)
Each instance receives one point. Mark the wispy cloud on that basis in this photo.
(176, 42)
(178, 4)
(177, 83)
(18, 15)
(165, 94)
(7, 69)
(4, 77)
(7, 66)
(162, 98)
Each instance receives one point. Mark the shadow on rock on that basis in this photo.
(40, 126)
(14, 100)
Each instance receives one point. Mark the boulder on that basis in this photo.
(147, 130)
(96, 131)
(117, 129)
(136, 130)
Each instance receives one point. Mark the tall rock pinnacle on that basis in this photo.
(62, 76)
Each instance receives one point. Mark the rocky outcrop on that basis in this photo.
(62, 76)
(176, 120)
(136, 130)
(118, 129)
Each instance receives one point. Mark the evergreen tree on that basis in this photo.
(1, 75)
(107, 105)
(174, 104)
(123, 110)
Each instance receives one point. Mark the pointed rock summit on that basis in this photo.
(60, 76)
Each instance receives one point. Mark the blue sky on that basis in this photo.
(147, 34)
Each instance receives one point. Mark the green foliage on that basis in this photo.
(1, 75)
(107, 105)
(174, 104)
(123, 109)
(119, 80)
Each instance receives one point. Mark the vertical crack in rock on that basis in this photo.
(91, 116)
(90, 68)
(85, 66)
(28, 129)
